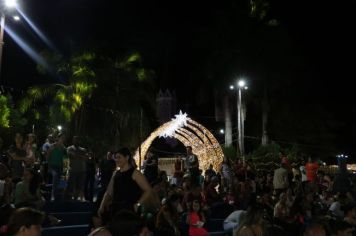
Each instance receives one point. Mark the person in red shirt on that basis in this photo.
(312, 170)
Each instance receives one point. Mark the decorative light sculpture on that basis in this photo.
(189, 133)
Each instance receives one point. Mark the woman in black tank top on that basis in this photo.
(128, 188)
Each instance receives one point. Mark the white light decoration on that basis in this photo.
(178, 122)
(189, 133)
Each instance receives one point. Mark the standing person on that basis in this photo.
(280, 179)
(210, 172)
(192, 164)
(31, 151)
(226, 174)
(56, 155)
(151, 167)
(17, 155)
(178, 172)
(44, 151)
(311, 170)
(128, 188)
(77, 169)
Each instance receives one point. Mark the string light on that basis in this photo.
(189, 133)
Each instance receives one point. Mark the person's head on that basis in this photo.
(196, 206)
(28, 175)
(189, 150)
(283, 197)
(60, 138)
(254, 215)
(31, 138)
(25, 222)
(76, 141)
(125, 223)
(315, 229)
(350, 211)
(123, 158)
(18, 138)
(210, 166)
(50, 138)
(214, 181)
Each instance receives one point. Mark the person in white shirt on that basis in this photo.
(232, 222)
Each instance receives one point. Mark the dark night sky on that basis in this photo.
(320, 33)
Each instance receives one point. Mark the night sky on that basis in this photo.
(176, 36)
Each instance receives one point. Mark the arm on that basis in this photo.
(107, 199)
(144, 185)
(13, 156)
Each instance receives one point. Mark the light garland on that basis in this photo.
(189, 133)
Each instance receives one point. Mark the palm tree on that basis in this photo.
(64, 99)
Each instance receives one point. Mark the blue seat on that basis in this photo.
(73, 230)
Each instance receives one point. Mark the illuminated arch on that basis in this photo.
(189, 133)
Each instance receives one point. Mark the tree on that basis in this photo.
(65, 99)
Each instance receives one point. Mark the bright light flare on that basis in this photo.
(222, 131)
(59, 127)
(16, 18)
(10, 3)
(231, 87)
(241, 83)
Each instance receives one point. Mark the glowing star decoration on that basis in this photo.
(178, 122)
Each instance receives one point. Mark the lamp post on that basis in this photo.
(4, 4)
(241, 85)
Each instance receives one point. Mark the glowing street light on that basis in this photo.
(10, 3)
(16, 18)
(241, 85)
(59, 127)
(222, 131)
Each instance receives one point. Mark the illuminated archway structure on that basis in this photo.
(189, 133)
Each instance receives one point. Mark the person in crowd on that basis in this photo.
(226, 173)
(340, 228)
(350, 215)
(233, 221)
(5, 185)
(311, 168)
(280, 179)
(17, 154)
(281, 209)
(178, 171)
(44, 153)
(315, 229)
(25, 222)
(210, 172)
(124, 223)
(31, 151)
(128, 188)
(150, 167)
(78, 157)
(192, 163)
(28, 192)
(90, 177)
(211, 195)
(253, 223)
(167, 217)
(55, 156)
(196, 220)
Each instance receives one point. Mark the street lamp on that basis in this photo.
(241, 85)
(4, 5)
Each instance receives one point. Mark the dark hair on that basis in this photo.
(24, 217)
(126, 153)
(125, 223)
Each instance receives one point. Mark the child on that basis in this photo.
(196, 220)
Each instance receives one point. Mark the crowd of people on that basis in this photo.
(295, 198)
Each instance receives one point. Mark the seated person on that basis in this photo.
(25, 221)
